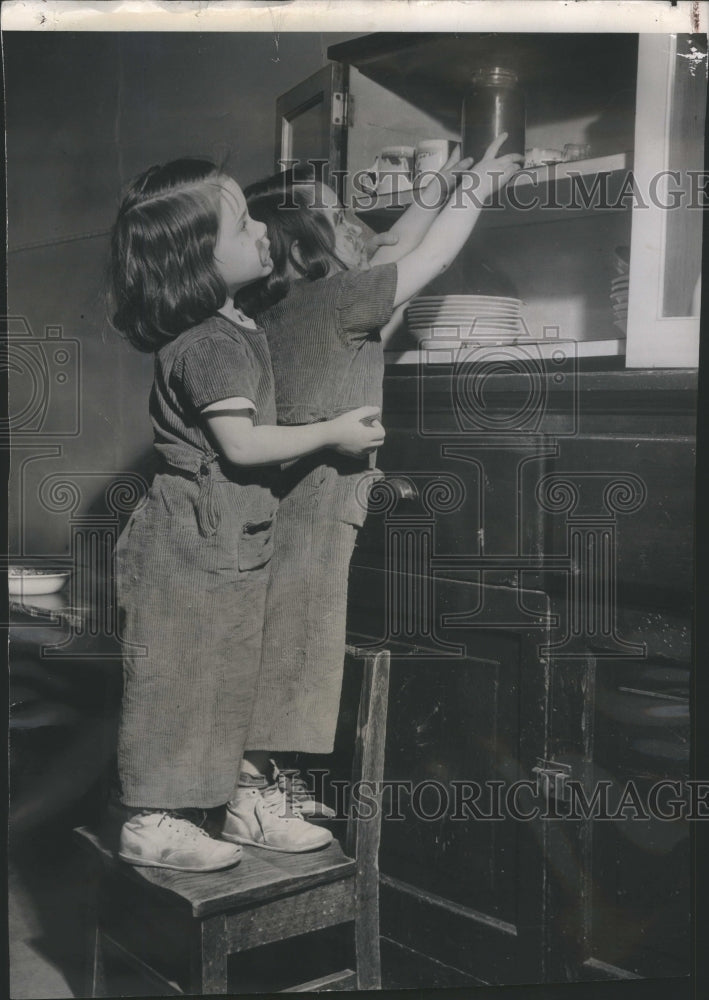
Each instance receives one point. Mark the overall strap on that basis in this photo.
(206, 509)
(203, 467)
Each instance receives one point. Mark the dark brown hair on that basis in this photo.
(283, 204)
(163, 278)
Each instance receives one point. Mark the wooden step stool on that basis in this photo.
(148, 915)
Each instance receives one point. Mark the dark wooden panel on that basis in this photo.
(616, 896)
(403, 968)
(654, 544)
(641, 867)
(452, 935)
(640, 905)
(454, 725)
(647, 393)
(455, 722)
(604, 425)
(300, 914)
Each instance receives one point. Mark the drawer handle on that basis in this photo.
(402, 488)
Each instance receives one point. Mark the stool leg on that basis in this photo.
(97, 985)
(367, 941)
(94, 978)
(209, 956)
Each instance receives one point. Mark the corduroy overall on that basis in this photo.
(192, 569)
(327, 358)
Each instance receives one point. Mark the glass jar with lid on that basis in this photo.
(494, 104)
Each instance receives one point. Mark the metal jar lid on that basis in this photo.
(496, 75)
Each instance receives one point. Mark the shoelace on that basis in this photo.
(182, 826)
(291, 783)
(275, 800)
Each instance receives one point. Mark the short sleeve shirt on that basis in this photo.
(325, 343)
(212, 361)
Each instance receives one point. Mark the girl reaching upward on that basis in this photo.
(193, 562)
(325, 307)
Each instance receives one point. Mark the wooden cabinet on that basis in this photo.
(516, 651)
(636, 101)
(530, 566)
(467, 892)
(310, 123)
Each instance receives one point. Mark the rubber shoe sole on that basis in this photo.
(235, 838)
(142, 863)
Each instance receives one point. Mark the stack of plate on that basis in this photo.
(465, 317)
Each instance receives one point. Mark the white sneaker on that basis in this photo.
(167, 840)
(260, 815)
(299, 795)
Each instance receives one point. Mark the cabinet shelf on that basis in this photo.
(539, 194)
(552, 233)
(434, 71)
(543, 350)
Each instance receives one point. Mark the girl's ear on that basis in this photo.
(296, 255)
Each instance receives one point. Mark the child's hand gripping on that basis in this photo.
(444, 180)
(494, 171)
(372, 244)
(451, 171)
(358, 432)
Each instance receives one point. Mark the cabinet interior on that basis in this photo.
(578, 89)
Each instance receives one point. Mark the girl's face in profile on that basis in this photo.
(349, 245)
(241, 252)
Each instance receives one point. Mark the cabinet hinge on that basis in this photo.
(552, 777)
(342, 109)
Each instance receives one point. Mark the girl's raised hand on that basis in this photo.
(358, 432)
(451, 171)
(454, 223)
(495, 171)
(445, 179)
(380, 240)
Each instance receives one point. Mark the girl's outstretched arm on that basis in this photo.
(241, 442)
(454, 223)
(413, 225)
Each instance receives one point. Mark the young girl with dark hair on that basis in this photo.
(323, 308)
(192, 564)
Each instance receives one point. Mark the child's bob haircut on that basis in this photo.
(283, 202)
(163, 275)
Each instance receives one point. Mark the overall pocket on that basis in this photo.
(244, 537)
(255, 544)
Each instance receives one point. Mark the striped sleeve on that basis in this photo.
(366, 300)
(217, 367)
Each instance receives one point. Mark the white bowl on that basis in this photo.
(26, 582)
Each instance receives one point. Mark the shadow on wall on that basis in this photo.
(82, 119)
(78, 396)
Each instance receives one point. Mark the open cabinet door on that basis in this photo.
(665, 259)
(311, 122)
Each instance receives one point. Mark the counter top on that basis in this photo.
(55, 608)
(74, 619)
(638, 391)
(614, 379)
